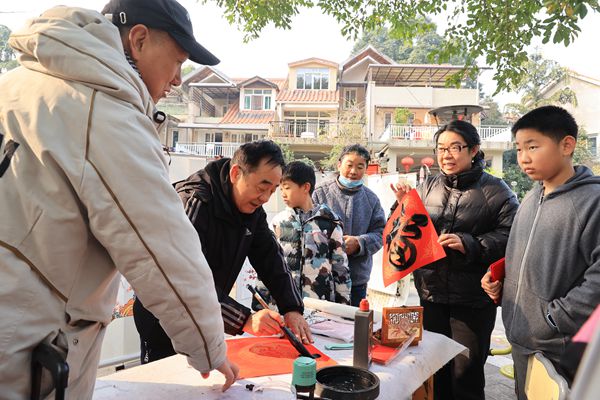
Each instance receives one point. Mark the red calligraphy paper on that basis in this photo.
(264, 356)
(409, 240)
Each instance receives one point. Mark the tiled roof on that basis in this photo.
(235, 116)
(308, 96)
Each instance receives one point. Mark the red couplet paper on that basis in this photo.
(264, 356)
(409, 240)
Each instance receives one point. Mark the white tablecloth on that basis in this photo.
(172, 378)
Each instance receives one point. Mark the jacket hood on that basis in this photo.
(583, 176)
(324, 212)
(91, 53)
(221, 187)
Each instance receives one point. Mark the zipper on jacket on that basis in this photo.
(525, 253)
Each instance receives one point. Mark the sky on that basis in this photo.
(312, 35)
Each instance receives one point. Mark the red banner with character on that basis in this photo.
(409, 240)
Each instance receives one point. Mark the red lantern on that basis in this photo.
(407, 162)
(428, 161)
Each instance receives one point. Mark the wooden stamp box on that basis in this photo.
(398, 323)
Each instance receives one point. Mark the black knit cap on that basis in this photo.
(164, 15)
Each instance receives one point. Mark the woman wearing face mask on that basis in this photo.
(361, 214)
(472, 212)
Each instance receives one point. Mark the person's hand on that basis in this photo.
(400, 190)
(229, 370)
(296, 322)
(452, 241)
(493, 289)
(352, 244)
(264, 323)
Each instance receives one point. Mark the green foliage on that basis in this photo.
(534, 86)
(8, 59)
(331, 161)
(491, 114)
(401, 115)
(351, 124)
(417, 50)
(494, 172)
(308, 161)
(517, 180)
(583, 154)
(405, 51)
(498, 31)
(288, 154)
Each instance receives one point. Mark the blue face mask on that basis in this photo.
(349, 183)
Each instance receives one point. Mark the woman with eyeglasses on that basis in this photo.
(472, 212)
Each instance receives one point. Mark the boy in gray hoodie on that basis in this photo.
(552, 282)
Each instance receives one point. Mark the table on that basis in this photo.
(173, 378)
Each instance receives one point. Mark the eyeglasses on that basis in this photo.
(453, 149)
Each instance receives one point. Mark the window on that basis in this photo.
(175, 138)
(349, 98)
(257, 99)
(209, 137)
(387, 119)
(592, 145)
(297, 122)
(225, 109)
(312, 78)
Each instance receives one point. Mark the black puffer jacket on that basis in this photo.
(228, 237)
(480, 209)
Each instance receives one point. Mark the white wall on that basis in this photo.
(422, 97)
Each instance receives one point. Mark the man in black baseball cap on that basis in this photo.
(164, 15)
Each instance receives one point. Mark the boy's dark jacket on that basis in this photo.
(553, 264)
(228, 236)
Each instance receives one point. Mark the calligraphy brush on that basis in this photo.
(298, 345)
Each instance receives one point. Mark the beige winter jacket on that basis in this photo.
(86, 195)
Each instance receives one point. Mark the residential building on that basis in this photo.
(587, 91)
(322, 103)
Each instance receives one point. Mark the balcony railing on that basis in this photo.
(426, 132)
(325, 132)
(208, 149)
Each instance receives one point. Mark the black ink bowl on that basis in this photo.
(346, 383)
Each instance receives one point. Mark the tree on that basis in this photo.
(401, 115)
(491, 114)
(517, 180)
(402, 51)
(534, 88)
(541, 74)
(8, 59)
(350, 129)
(497, 30)
(288, 153)
(583, 154)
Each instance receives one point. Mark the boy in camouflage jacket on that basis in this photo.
(312, 240)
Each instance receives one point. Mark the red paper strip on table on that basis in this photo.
(264, 356)
(409, 240)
